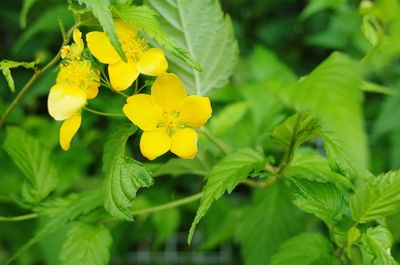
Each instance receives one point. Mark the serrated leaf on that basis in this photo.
(375, 246)
(228, 117)
(300, 124)
(34, 160)
(201, 28)
(124, 176)
(305, 249)
(83, 204)
(6, 65)
(180, 166)
(145, 19)
(377, 198)
(86, 245)
(323, 200)
(309, 164)
(101, 10)
(269, 221)
(332, 93)
(225, 176)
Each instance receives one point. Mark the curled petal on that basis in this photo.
(184, 143)
(68, 130)
(64, 101)
(101, 48)
(92, 92)
(77, 36)
(141, 111)
(152, 62)
(168, 91)
(195, 110)
(154, 143)
(122, 75)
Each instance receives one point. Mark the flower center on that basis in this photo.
(170, 121)
(133, 46)
(78, 73)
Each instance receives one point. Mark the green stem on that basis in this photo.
(169, 205)
(287, 157)
(103, 113)
(260, 184)
(39, 73)
(221, 146)
(19, 218)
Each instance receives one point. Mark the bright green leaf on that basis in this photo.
(228, 117)
(225, 176)
(5, 66)
(124, 176)
(34, 160)
(101, 10)
(378, 197)
(207, 35)
(145, 18)
(375, 247)
(86, 245)
(305, 249)
(324, 200)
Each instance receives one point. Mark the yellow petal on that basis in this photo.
(122, 75)
(92, 92)
(100, 46)
(68, 130)
(152, 62)
(168, 91)
(195, 111)
(124, 29)
(64, 101)
(154, 143)
(77, 36)
(141, 111)
(184, 143)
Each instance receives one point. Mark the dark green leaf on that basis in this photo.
(86, 245)
(33, 159)
(225, 176)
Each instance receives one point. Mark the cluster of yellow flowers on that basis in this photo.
(167, 116)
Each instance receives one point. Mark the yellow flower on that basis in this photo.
(167, 118)
(76, 49)
(140, 59)
(77, 81)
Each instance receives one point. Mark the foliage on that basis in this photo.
(304, 129)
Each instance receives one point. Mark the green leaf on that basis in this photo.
(145, 19)
(378, 197)
(332, 93)
(86, 245)
(270, 220)
(323, 200)
(203, 30)
(225, 176)
(315, 6)
(375, 246)
(303, 125)
(81, 205)
(180, 166)
(34, 160)
(375, 88)
(124, 176)
(5, 66)
(228, 117)
(101, 10)
(305, 249)
(166, 223)
(309, 164)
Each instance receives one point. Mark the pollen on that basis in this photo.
(134, 46)
(171, 122)
(77, 73)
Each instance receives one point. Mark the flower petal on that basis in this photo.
(122, 75)
(124, 29)
(184, 143)
(77, 36)
(152, 62)
(195, 111)
(92, 92)
(101, 48)
(154, 143)
(68, 130)
(168, 91)
(64, 101)
(141, 111)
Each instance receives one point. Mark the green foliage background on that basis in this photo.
(298, 164)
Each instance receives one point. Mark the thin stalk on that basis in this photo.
(19, 218)
(169, 205)
(287, 157)
(260, 184)
(103, 113)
